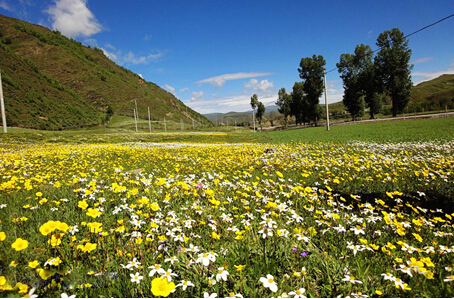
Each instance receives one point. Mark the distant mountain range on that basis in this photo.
(53, 82)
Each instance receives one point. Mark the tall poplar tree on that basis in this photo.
(393, 68)
(284, 101)
(311, 72)
(358, 75)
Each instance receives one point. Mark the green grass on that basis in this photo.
(436, 129)
(121, 129)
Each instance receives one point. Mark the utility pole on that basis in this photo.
(135, 120)
(181, 122)
(2, 104)
(165, 126)
(326, 103)
(149, 121)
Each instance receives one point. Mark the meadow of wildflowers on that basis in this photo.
(357, 219)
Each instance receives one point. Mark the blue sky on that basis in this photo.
(215, 55)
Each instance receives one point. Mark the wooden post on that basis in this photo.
(2, 104)
(326, 103)
(149, 121)
(135, 120)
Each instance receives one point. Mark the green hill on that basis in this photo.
(436, 94)
(53, 82)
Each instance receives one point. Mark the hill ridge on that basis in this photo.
(54, 82)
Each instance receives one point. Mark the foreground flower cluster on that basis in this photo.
(298, 220)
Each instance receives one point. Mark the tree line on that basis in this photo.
(366, 80)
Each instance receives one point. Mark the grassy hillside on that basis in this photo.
(433, 95)
(52, 82)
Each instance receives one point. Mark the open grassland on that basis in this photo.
(104, 215)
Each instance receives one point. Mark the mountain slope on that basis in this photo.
(52, 82)
(435, 94)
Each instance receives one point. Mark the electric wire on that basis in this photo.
(406, 36)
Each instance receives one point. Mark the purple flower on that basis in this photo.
(294, 248)
(199, 185)
(304, 253)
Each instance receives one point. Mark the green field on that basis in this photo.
(122, 129)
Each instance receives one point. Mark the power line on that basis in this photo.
(406, 36)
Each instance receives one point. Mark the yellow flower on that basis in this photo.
(215, 236)
(14, 263)
(363, 241)
(161, 287)
(89, 247)
(23, 288)
(55, 240)
(20, 244)
(93, 213)
(379, 293)
(154, 206)
(39, 194)
(82, 204)
(417, 237)
(2, 280)
(2, 236)
(429, 274)
(427, 261)
(239, 268)
(33, 264)
(95, 227)
(45, 274)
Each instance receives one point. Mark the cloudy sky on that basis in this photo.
(214, 55)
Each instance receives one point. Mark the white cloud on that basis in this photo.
(169, 88)
(219, 81)
(109, 46)
(130, 57)
(195, 95)
(226, 104)
(184, 89)
(73, 18)
(427, 76)
(262, 85)
(421, 60)
(110, 55)
(5, 6)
